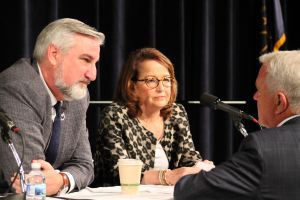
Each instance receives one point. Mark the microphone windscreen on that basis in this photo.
(208, 99)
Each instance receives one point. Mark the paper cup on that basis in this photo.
(130, 175)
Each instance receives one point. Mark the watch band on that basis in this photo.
(66, 183)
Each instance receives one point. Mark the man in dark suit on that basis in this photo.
(267, 166)
(64, 63)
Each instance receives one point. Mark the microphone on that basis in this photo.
(215, 103)
(7, 124)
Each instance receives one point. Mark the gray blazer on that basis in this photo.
(267, 166)
(24, 98)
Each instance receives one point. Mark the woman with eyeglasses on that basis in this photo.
(145, 123)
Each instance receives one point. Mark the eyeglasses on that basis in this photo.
(152, 82)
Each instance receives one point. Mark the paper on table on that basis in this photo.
(145, 192)
(162, 189)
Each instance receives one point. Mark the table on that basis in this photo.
(111, 193)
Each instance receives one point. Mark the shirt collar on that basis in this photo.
(52, 97)
(287, 119)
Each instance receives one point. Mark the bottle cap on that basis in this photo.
(35, 165)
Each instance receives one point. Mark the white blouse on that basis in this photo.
(161, 160)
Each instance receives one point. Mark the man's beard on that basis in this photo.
(73, 92)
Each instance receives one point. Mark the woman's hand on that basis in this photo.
(172, 176)
(205, 165)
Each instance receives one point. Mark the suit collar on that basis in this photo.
(34, 65)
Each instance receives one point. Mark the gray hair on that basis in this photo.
(61, 33)
(283, 74)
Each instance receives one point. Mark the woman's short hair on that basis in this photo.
(124, 93)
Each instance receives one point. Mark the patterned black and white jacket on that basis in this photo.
(120, 136)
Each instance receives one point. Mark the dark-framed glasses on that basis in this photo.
(152, 81)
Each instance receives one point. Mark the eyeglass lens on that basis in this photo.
(153, 82)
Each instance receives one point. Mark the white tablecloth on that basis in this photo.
(110, 193)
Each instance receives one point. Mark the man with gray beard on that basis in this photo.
(63, 64)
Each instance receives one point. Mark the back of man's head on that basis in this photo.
(283, 74)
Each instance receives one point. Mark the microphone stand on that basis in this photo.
(21, 170)
(7, 139)
(237, 121)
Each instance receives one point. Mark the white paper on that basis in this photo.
(111, 193)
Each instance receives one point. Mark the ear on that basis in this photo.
(282, 103)
(52, 52)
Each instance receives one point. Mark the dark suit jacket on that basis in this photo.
(267, 166)
(24, 98)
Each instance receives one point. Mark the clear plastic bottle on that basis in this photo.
(35, 183)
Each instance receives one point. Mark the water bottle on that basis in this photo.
(35, 183)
